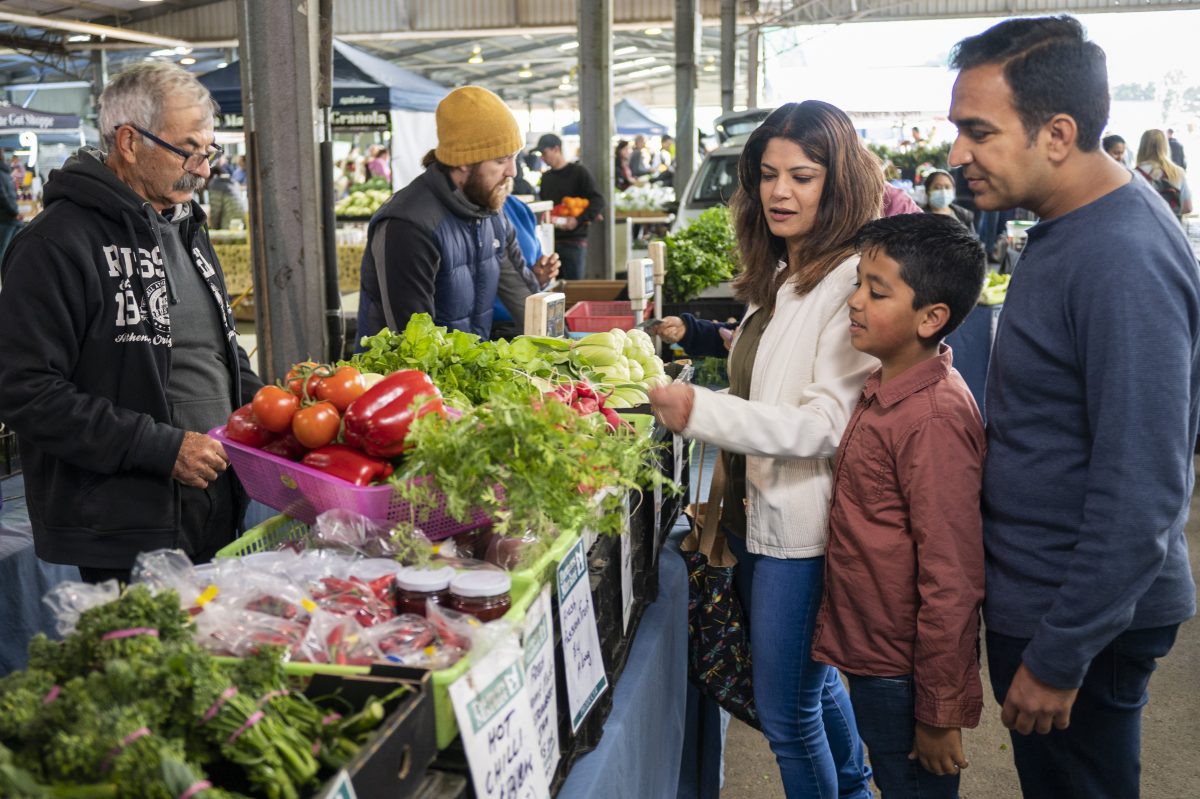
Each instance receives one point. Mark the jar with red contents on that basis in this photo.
(482, 593)
(415, 586)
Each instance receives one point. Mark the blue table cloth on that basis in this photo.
(639, 752)
(24, 580)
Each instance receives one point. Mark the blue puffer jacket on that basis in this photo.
(430, 250)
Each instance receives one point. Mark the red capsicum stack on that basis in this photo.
(378, 421)
(348, 463)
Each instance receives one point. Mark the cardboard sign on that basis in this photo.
(491, 703)
(538, 642)
(582, 659)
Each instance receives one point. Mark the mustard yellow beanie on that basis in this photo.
(475, 125)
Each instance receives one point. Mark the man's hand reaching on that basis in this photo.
(200, 460)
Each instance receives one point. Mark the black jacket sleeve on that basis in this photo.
(406, 261)
(703, 338)
(516, 280)
(589, 189)
(48, 308)
(8, 197)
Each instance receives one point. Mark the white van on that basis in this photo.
(716, 179)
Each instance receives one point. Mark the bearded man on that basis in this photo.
(442, 244)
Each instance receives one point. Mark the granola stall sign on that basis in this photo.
(492, 705)
(582, 658)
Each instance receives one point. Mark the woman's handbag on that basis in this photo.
(718, 641)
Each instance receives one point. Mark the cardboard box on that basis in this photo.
(595, 290)
(394, 761)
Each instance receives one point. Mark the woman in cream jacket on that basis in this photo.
(806, 184)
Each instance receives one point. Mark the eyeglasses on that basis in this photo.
(190, 160)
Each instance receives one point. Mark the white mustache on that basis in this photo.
(189, 182)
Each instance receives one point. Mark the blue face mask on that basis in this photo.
(941, 198)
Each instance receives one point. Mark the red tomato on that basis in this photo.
(306, 372)
(274, 408)
(316, 425)
(245, 429)
(286, 446)
(343, 387)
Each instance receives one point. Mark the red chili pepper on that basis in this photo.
(378, 421)
(348, 463)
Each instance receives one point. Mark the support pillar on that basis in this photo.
(728, 53)
(687, 71)
(596, 125)
(752, 42)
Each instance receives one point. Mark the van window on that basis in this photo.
(716, 182)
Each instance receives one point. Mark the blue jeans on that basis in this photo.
(886, 713)
(804, 709)
(1100, 754)
(572, 260)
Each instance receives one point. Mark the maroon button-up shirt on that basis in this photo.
(904, 562)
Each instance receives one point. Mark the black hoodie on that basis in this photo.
(85, 354)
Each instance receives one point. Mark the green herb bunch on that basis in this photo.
(701, 255)
(465, 368)
(129, 705)
(536, 466)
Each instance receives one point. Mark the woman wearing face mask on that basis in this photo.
(939, 189)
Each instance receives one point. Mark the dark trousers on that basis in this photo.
(573, 258)
(1099, 755)
(885, 710)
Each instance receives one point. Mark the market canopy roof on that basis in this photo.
(13, 118)
(361, 82)
(631, 118)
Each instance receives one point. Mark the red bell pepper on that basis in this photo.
(378, 421)
(348, 463)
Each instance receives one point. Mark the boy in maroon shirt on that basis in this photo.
(904, 560)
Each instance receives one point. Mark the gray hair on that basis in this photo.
(139, 93)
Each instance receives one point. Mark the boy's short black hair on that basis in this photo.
(1108, 142)
(1051, 69)
(939, 259)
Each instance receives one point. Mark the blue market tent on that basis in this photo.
(361, 82)
(631, 118)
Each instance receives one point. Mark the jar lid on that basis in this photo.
(425, 581)
(481, 583)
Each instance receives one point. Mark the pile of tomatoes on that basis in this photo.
(304, 415)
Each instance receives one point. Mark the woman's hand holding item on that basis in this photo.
(672, 405)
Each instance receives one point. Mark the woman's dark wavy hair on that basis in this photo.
(851, 197)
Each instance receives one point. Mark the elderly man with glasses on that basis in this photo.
(117, 344)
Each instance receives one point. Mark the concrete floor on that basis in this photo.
(1170, 744)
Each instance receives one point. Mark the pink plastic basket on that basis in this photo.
(594, 316)
(302, 492)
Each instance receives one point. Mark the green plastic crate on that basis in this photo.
(526, 585)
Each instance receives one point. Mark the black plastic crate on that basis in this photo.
(394, 761)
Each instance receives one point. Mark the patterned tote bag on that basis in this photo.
(718, 641)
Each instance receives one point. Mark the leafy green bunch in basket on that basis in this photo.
(701, 255)
(467, 369)
(537, 466)
(128, 705)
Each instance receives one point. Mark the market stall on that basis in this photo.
(41, 140)
(470, 536)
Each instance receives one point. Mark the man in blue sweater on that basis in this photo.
(1092, 404)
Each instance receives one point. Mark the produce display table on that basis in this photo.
(24, 580)
(638, 755)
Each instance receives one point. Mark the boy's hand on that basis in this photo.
(939, 749)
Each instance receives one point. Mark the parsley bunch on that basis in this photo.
(535, 466)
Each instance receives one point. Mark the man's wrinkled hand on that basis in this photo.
(1032, 705)
(546, 268)
(200, 460)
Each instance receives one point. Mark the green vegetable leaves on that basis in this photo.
(701, 255)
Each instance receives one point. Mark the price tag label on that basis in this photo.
(538, 641)
(582, 659)
(626, 571)
(491, 703)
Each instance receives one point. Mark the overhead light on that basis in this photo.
(75, 26)
(565, 87)
(163, 52)
(183, 50)
(476, 50)
(652, 31)
(568, 46)
(525, 72)
(187, 62)
(625, 50)
(222, 65)
(149, 1)
(637, 62)
(79, 37)
(475, 59)
(641, 73)
(710, 68)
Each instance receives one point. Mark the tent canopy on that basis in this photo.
(631, 118)
(361, 82)
(16, 119)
